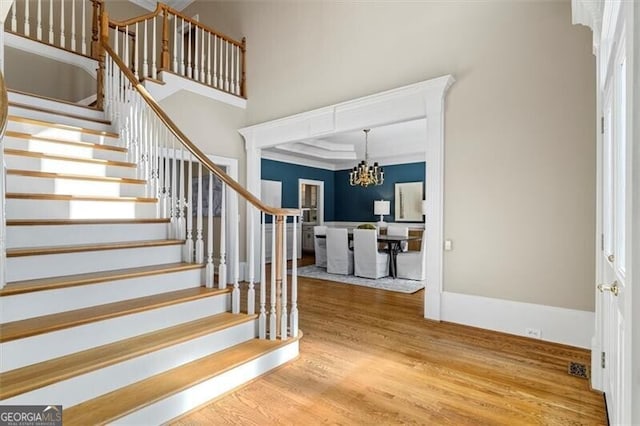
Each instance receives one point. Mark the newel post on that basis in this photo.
(104, 38)
(164, 57)
(95, 28)
(277, 263)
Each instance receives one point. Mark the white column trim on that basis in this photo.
(412, 102)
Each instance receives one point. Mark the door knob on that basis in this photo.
(613, 288)
(611, 258)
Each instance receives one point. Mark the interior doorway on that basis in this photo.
(311, 204)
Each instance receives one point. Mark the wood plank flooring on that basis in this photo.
(368, 357)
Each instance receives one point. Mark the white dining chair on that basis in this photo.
(399, 231)
(320, 246)
(339, 257)
(412, 265)
(369, 262)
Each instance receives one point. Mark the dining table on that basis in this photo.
(393, 242)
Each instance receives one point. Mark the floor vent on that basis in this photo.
(578, 370)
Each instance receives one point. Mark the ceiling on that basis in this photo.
(391, 144)
(174, 4)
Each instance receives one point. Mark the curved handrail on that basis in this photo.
(159, 8)
(4, 105)
(195, 151)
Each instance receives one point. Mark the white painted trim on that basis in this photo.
(415, 101)
(560, 325)
(174, 83)
(292, 159)
(51, 52)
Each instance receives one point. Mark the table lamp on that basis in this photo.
(381, 208)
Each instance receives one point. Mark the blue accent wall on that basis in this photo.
(289, 174)
(354, 203)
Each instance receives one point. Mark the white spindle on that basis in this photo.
(116, 45)
(189, 204)
(232, 82)
(262, 317)
(173, 188)
(215, 61)
(189, 68)
(222, 269)
(50, 21)
(209, 270)
(293, 329)
(125, 47)
(62, 38)
(251, 294)
(272, 314)
(27, 27)
(145, 44)
(199, 242)
(154, 67)
(175, 44)
(39, 21)
(136, 61)
(181, 203)
(73, 25)
(14, 20)
(202, 57)
(209, 58)
(182, 68)
(196, 62)
(284, 316)
(167, 176)
(238, 76)
(84, 28)
(235, 294)
(226, 66)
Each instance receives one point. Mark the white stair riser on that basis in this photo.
(32, 267)
(47, 235)
(66, 134)
(30, 350)
(55, 148)
(62, 107)
(59, 119)
(45, 185)
(29, 305)
(169, 408)
(50, 165)
(78, 209)
(79, 389)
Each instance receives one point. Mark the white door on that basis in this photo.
(615, 215)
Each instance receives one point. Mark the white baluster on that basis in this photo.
(50, 21)
(62, 38)
(196, 74)
(222, 268)
(215, 61)
(116, 45)
(125, 47)
(181, 203)
(273, 332)
(226, 66)
(175, 44)
(262, 317)
(14, 20)
(238, 77)
(209, 270)
(182, 68)
(199, 242)
(145, 43)
(73, 25)
(251, 294)
(174, 188)
(189, 68)
(154, 67)
(39, 22)
(189, 243)
(202, 57)
(235, 294)
(284, 316)
(167, 175)
(136, 61)
(84, 28)
(293, 329)
(27, 27)
(209, 59)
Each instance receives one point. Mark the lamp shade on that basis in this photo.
(381, 207)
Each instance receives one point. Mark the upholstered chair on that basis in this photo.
(412, 265)
(339, 257)
(399, 231)
(320, 246)
(368, 261)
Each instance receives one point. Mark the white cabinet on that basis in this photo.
(307, 238)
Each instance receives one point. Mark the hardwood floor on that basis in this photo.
(368, 357)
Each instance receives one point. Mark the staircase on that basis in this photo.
(100, 314)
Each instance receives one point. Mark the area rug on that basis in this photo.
(390, 284)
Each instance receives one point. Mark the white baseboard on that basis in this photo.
(560, 325)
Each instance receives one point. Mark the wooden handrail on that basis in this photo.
(203, 26)
(159, 8)
(195, 151)
(4, 107)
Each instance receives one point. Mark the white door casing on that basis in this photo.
(320, 195)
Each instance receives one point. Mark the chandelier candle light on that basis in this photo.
(363, 174)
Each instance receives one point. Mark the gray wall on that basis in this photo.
(520, 144)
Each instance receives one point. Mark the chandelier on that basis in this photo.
(363, 174)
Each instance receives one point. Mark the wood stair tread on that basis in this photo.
(67, 197)
(45, 123)
(75, 248)
(22, 135)
(23, 153)
(36, 376)
(42, 222)
(113, 405)
(48, 323)
(51, 175)
(51, 283)
(65, 114)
